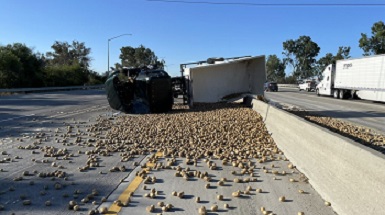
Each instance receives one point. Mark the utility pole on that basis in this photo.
(108, 52)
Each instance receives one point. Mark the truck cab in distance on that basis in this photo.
(326, 85)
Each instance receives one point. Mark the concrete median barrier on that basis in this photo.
(292, 86)
(345, 173)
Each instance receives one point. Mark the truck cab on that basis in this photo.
(326, 85)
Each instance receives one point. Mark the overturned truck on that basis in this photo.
(143, 90)
(140, 91)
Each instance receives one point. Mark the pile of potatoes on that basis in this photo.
(230, 132)
(358, 133)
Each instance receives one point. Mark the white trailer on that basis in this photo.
(362, 78)
(212, 82)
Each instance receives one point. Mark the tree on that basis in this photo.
(376, 43)
(64, 75)
(10, 67)
(275, 69)
(69, 54)
(60, 54)
(95, 78)
(138, 57)
(80, 54)
(19, 66)
(342, 53)
(68, 64)
(300, 54)
(290, 80)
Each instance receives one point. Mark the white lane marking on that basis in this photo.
(77, 112)
(13, 118)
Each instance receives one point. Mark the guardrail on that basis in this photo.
(50, 89)
(288, 85)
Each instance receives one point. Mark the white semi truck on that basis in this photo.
(362, 78)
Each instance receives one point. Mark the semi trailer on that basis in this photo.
(359, 78)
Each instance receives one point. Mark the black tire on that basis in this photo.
(336, 94)
(341, 94)
(354, 95)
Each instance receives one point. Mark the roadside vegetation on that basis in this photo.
(66, 65)
(138, 57)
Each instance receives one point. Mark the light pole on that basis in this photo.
(108, 65)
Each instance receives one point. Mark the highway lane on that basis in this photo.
(31, 112)
(43, 120)
(359, 112)
(31, 124)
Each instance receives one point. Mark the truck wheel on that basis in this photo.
(354, 95)
(341, 94)
(336, 94)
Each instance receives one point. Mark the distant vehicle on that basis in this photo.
(308, 85)
(271, 86)
(362, 78)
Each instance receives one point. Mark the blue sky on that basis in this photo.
(180, 32)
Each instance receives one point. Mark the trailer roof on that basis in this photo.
(370, 56)
(228, 62)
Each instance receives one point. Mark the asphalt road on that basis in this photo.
(35, 127)
(359, 112)
(40, 121)
(25, 113)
